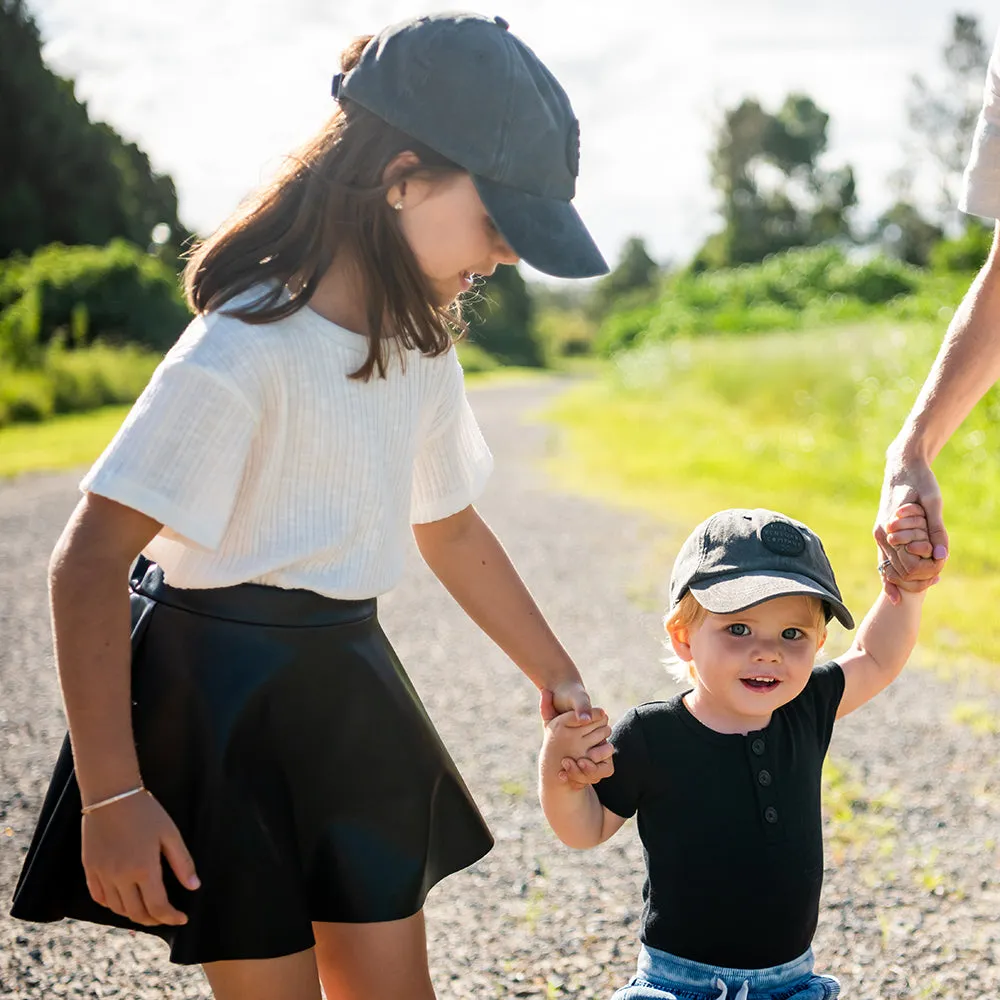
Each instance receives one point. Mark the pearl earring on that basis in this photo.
(398, 206)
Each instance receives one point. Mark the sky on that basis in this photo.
(216, 91)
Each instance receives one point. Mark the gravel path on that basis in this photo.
(912, 897)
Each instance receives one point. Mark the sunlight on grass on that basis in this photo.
(797, 423)
(977, 716)
(505, 375)
(59, 443)
(856, 823)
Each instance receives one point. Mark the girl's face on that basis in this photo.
(747, 664)
(450, 232)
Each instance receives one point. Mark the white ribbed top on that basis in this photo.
(981, 181)
(265, 463)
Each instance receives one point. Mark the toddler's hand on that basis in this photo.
(909, 527)
(583, 750)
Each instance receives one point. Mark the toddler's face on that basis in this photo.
(749, 663)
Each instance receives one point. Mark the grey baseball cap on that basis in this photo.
(464, 85)
(739, 558)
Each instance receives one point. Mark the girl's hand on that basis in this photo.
(122, 844)
(570, 696)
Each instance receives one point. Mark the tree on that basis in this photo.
(64, 178)
(943, 115)
(635, 275)
(905, 234)
(774, 193)
(502, 322)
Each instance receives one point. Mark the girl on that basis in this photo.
(261, 787)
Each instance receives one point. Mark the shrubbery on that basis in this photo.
(788, 291)
(116, 294)
(82, 327)
(68, 381)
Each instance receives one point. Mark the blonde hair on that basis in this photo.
(689, 614)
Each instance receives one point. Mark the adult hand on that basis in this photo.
(571, 696)
(122, 844)
(913, 565)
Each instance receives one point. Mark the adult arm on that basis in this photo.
(967, 365)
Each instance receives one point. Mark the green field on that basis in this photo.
(59, 443)
(795, 422)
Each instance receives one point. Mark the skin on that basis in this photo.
(967, 365)
(447, 227)
(452, 237)
(777, 639)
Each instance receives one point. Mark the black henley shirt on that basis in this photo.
(730, 826)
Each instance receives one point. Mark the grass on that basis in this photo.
(858, 825)
(59, 443)
(795, 422)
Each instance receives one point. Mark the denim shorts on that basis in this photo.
(662, 976)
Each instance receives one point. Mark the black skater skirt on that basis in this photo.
(281, 734)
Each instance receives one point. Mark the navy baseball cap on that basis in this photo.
(739, 558)
(464, 85)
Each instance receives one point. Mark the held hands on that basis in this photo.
(915, 563)
(581, 749)
(122, 844)
(907, 535)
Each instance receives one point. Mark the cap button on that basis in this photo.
(502, 22)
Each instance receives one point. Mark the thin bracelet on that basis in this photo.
(87, 810)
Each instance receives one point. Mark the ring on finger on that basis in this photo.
(884, 565)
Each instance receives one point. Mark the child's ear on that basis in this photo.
(822, 639)
(680, 639)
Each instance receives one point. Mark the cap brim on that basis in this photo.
(724, 597)
(546, 233)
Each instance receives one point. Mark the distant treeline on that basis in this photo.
(91, 242)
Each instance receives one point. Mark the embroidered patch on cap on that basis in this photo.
(783, 538)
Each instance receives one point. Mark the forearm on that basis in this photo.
(472, 565)
(575, 814)
(889, 632)
(90, 616)
(967, 364)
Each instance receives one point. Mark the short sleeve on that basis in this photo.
(821, 699)
(453, 462)
(180, 454)
(622, 792)
(981, 181)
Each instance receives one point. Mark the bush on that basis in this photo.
(785, 292)
(965, 253)
(117, 294)
(565, 333)
(69, 381)
(24, 396)
(475, 359)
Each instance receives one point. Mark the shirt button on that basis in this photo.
(757, 746)
(764, 778)
(771, 814)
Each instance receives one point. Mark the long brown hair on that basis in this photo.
(330, 197)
